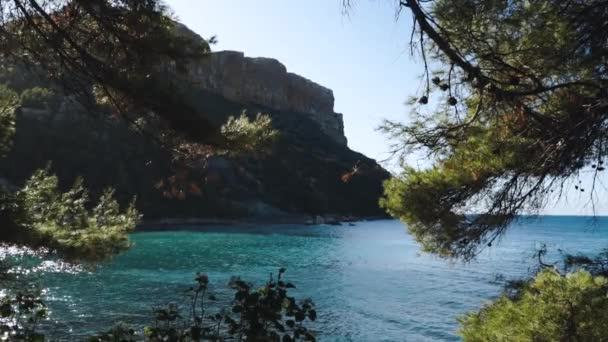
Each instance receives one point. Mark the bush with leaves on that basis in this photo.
(40, 215)
(243, 134)
(264, 314)
(564, 301)
(551, 307)
(20, 316)
(43, 216)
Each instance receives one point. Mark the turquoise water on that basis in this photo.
(369, 281)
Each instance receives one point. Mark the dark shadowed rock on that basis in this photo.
(301, 177)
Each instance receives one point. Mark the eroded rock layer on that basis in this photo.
(266, 82)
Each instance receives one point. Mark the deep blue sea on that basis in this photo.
(369, 281)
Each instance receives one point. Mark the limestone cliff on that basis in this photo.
(302, 176)
(266, 82)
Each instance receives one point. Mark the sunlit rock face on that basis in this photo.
(266, 82)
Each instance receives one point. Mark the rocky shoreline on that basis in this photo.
(170, 223)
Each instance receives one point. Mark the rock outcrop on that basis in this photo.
(266, 82)
(301, 176)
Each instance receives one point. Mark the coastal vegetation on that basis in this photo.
(65, 44)
(551, 307)
(109, 55)
(519, 102)
(264, 314)
(564, 303)
(514, 108)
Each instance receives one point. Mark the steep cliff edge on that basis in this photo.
(266, 82)
(302, 175)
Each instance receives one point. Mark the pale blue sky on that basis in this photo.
(363, 57)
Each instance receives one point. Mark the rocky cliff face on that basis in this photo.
(302, 175)
(266, 82)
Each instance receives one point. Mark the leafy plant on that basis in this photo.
(268, 312)
(61, 221)
(264, 314)
(551, 307)
(243, 134)
(20, 316)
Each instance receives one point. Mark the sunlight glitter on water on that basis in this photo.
(25, 261)
(367, 281)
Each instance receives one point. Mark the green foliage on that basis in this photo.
(551, 307)
(433, 202)
(38, 98)
(9, 102)
(243, 134)
(269, 313)
(518, 107)
(62, 221)
(264, 314)
(134, 53)
(20, 316)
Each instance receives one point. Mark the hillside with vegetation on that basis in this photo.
(105, 100)
(308, 171)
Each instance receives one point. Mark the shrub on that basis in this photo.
(550, 307)
(264, 314)
(62, 221)
(242, 134)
